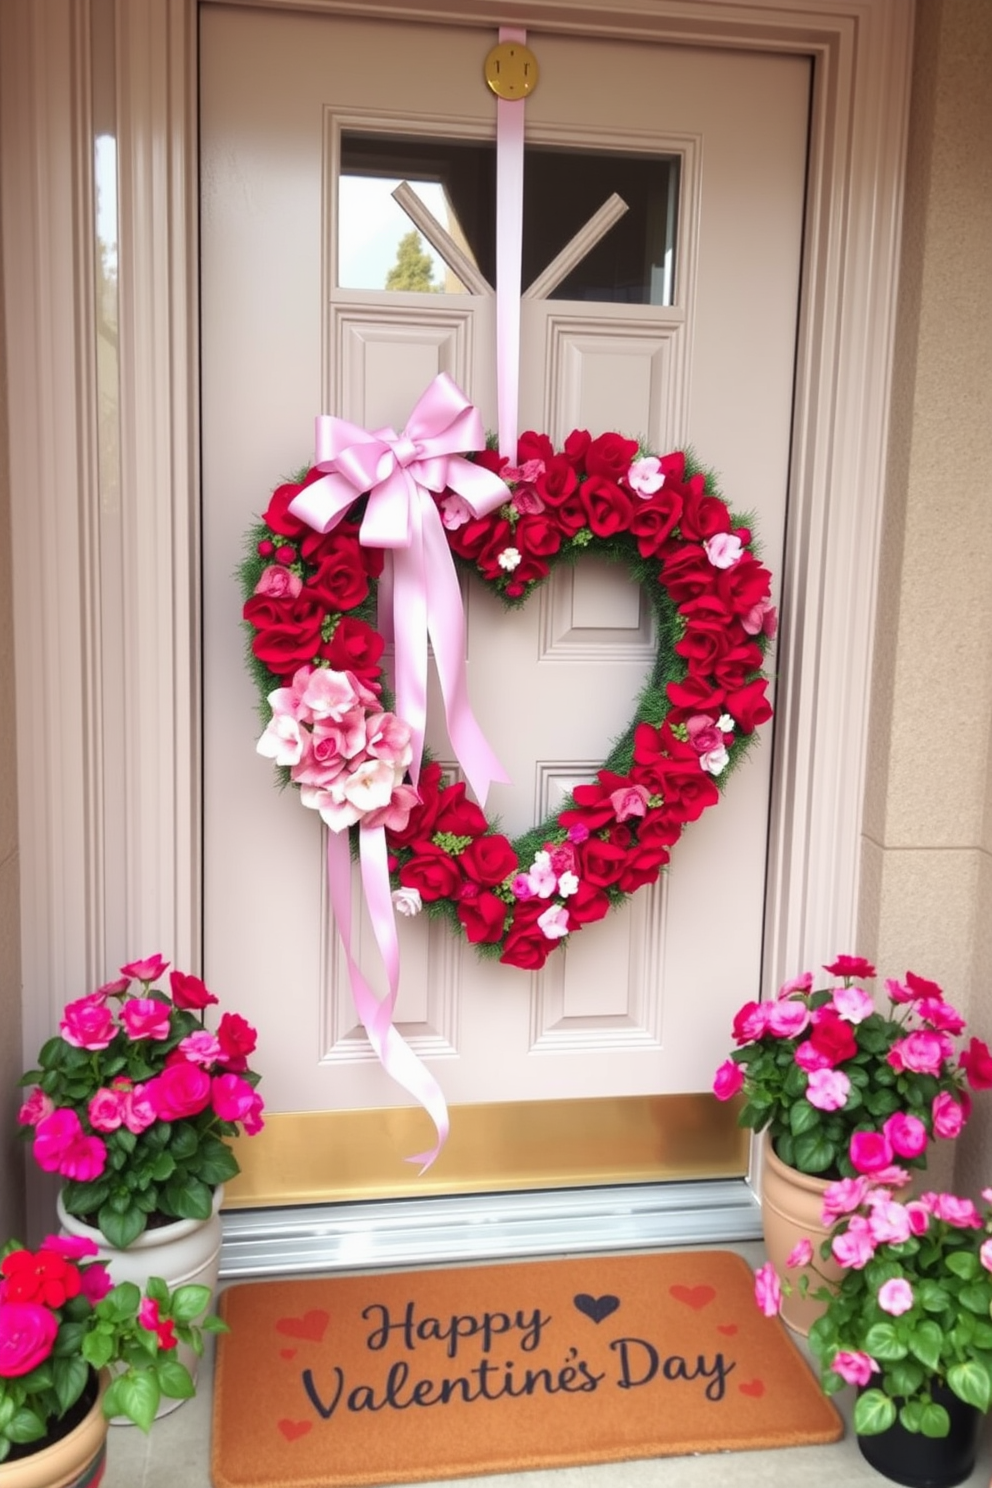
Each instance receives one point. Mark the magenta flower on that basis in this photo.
(850, 966)
(27, 1334)
(70, 1247)
(948, 1115)
(202, 1047)
(146, 1017)
(856, 1246)
(37, 1106)
(180, 1090)
(148, 970)
(84, 1160)
(106, 1110)
(870, 1151)
(728, 1081)
(231, 1097)
(895, 1296)
(54, 1136)
(828, 1089)
(854, 1368)
(96, 1282)
(768, 1290)
(985, 1254)
(906, 1133)
(961, 1213)
(88, 1023)
(802, 983)
(922, 1052)
(809, 1057)
(139, 1111)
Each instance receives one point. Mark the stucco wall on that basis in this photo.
(927, 848)
(11, 1151)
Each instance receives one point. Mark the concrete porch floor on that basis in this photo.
(176, 1454)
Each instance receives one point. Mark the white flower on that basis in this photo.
(645, 476)
(282, 740)
(725, 723)
(554, 922)
(407, 902)
(567, 884)
(714, 761)
(509, 559)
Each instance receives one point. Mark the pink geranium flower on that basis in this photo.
(828, 1089)
(896, 1296)
(854, 1367)
(856, 1245)
(768, 1289)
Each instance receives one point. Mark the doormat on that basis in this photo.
(409, 1376)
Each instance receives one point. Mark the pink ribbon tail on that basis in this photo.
(376, 1017)
(509, 239)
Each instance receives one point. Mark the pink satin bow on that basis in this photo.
(399, 471)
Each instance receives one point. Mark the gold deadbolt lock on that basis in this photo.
(511, 70)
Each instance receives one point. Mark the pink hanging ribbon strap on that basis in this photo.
(509, 244)
(399, 471)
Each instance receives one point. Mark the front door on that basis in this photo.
(680, 328)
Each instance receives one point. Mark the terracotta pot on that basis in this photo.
(182, 1253)
(76, 1460)
(791, 1205)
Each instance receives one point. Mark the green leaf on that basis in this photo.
(121, 1303)
(156, 1288)
(163, 1167)
(905, 1377)
(932, 1297)
(122, 1229)
(27, 1426)
(926, 1341)
(814, 1154)
(71, 1376)
(136, 1395)
(188, 1302)
(976, 1298)
(174, 1378)
(803, 1117)
(873, 1413)
(911, 1414)
(971, 1382)
(190, 1199)
(963, 1263)
(883, 1342)
(184, 1141)
(219, 1164)
(98, 1349)
(934, 1420)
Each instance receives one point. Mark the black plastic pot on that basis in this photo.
(920, 1461)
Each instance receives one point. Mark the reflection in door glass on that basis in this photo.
(379, 247)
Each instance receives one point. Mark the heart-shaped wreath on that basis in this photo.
(315, 653)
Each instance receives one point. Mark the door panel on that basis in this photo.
(642, 1002)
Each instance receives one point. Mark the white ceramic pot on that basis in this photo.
(183, 1253)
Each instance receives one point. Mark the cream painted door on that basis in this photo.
(642, 1002)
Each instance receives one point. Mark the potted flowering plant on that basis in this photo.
(844, 1088)
(908, 1321)
(62, 1322)
(134, 1101)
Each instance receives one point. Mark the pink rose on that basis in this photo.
(84, 1160)
(788, 1018)
(919, 1217)
(768, 1290)
(148, 970)
(724, 549)
(801, 1253)
(37, 1106)
(113, 989)
(803, 983)
(922, 1052)
(277, 582)
(728, 1080)
(139, 1111)
(843, 1197)
(856, 1246)
(53, 1137)
(703, 734)
(985, 1254)
(895, 1296)
(870, 1151)
(960, 1213)
(939, 1014)
(201, 1047)
(106, 1110)
(889, 1223)
(27, 1334)
(948, 1115)
(231, 1097)
(828, 1089)
(898, 992)
(180, 1090)
(88, 1023)
(750, 1023)
(854, 1368)
(146, 1017)
(628, 801)
(907, 1135)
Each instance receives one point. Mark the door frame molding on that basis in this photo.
(106, 573)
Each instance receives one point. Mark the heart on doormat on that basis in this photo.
(310, 605)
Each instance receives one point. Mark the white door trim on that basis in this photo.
(106, 581)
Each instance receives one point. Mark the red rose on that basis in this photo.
(432, 871)
(738, 664)
(703, 516)
(422, 817)
(686, 572)
(277, 513)
(855, 966)
(654, 519)
(237, 1040)
(354, 647)
(610, 455)
(532, 446)
(538, 535)
(469, 540)
(601, 862)
(586, 905)
(832, 1037)
(489, 859)
(659, 830)
(528, 949)
(284, 648)
(609, 508)
(456, 815)
(593, 807)
(744, 585)
(976, 1061)
(189, 991)
(489, 459)
(748, 705)
(576, 446)
(643, 867)
(694, 695)
(703, 644)
(483, 918)
(340, 582)
(558, 482)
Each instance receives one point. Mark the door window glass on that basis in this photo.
(380, 247)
